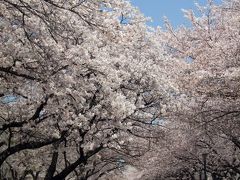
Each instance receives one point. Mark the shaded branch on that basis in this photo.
(11, 72)
(28, 145)
(82, 160)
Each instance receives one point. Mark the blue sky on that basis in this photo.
(156, 9)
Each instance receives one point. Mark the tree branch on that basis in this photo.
(9, 71)
(28, 145)
(81, 160)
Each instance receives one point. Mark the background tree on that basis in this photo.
(206, 122)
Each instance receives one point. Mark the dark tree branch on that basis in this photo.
(52, 168)
(236, 142)
(12, 124)
(28, 145)
(40, 108)
(11, 72)
(34, 117)
(82, 160)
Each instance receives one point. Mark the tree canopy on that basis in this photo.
(89, 91)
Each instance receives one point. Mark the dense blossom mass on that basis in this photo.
(89, 91)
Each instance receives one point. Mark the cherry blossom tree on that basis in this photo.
(81, 84)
